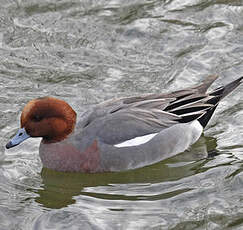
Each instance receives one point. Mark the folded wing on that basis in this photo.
(119, 120)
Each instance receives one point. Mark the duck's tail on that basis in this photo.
(217, 95)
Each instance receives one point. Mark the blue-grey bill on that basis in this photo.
(18, 138)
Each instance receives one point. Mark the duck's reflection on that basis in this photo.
(60, 188)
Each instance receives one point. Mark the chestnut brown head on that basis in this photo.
(50, 118)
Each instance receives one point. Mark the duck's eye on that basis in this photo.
(37, 118)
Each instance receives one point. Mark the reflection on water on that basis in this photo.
(87, 51)
(116, 186)
(161, 193)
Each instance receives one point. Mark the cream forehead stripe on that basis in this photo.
(27, 109)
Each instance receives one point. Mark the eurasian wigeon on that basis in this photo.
(119, 134)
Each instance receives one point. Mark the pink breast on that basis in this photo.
(65, 157)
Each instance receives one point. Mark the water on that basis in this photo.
(87, 51)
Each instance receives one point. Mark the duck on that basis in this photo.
(119, 134)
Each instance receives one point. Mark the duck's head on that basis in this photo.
(50, 118)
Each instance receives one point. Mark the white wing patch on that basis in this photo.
(136, 141)
(197, 130)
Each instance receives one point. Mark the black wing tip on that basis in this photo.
(227, 89)
(218, 94)
(203, 120)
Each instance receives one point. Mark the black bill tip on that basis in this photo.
(9, 145)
